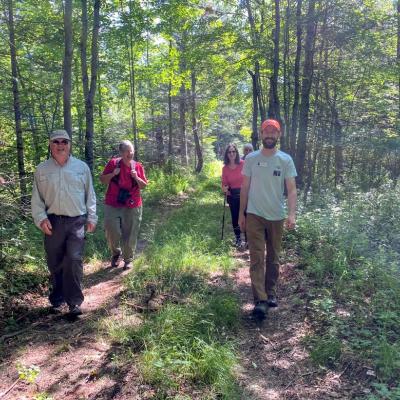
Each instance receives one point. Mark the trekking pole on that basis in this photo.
(223, 218)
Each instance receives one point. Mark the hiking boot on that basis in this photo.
(115, 260)
(260, 309)
(55, 308)
(75, 311)
(127, 265)
(272, 302)
(238, 243)
(56, 304)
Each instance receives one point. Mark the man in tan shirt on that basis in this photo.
(63, 201)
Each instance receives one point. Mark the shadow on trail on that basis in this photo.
(103, 274)
(38, 317)
(274, 358)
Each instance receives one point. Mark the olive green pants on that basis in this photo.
(264, 272)
(122, 226)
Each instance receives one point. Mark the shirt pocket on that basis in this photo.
(47, 182)
(75, 182)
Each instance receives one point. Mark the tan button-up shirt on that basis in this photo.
(63, 190)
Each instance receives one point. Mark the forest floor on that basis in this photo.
(75, 360)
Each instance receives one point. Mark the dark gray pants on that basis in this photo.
(64, 252)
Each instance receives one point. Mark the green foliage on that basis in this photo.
(28, 374)
(326, 350)
(351, 251)
(42, 396)
(189, 340)
(383, 392)
(181, 342)
(165, 183)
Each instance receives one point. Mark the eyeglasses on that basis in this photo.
(232, 152)
(65, 141)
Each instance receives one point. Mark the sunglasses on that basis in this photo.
(232, 152)
(65, 141)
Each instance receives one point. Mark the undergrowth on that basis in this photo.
(351, 253)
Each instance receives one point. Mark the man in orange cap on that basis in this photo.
(265, 173)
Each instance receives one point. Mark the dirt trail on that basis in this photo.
(76, 362)
(74, 359)
(70, 354)
(275, 364)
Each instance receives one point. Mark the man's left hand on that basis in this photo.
(90, 227)
(291, 222)
(133, 174)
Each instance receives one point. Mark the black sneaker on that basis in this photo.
(57, 304)
(75, 310)
(238, 243)
(260, 309)
(272, 302)
(127, 265)
(115, 260)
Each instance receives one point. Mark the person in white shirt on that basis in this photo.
(63, 202)
(265, 174)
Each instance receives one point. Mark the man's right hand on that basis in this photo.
(116, 171)
(242, 222)
(46, 227)
(225, 189)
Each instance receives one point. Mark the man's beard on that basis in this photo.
(269, 143)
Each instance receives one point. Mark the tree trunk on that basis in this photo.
(337, 137)
(132, 84)
(182, 125)
(17, 109)
(255, 36)
(398, 57)
(305, 92)
(254, 132)
(296, 73)
(274, 105)
(56, 106)
(89, 91)
(170, 143)
(102, 129)
(80, 104)
(286, 77)
(160, 146)
(31, 117)
(261, 102)
(170, 122)
(67, 66)
(315, 142)
(199, 152)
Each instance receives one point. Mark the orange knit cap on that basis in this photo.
(271, 122)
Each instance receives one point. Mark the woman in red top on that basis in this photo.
(125, 178)
(231, 182)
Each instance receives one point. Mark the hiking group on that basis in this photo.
(254, 189)
(64, 201)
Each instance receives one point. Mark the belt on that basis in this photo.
(65, 216)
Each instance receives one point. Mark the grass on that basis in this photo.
(351, 255)
(21, 243)
(190, 343)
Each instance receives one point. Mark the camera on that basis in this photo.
(123, 196)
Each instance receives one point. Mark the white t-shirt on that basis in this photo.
(268, 174)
